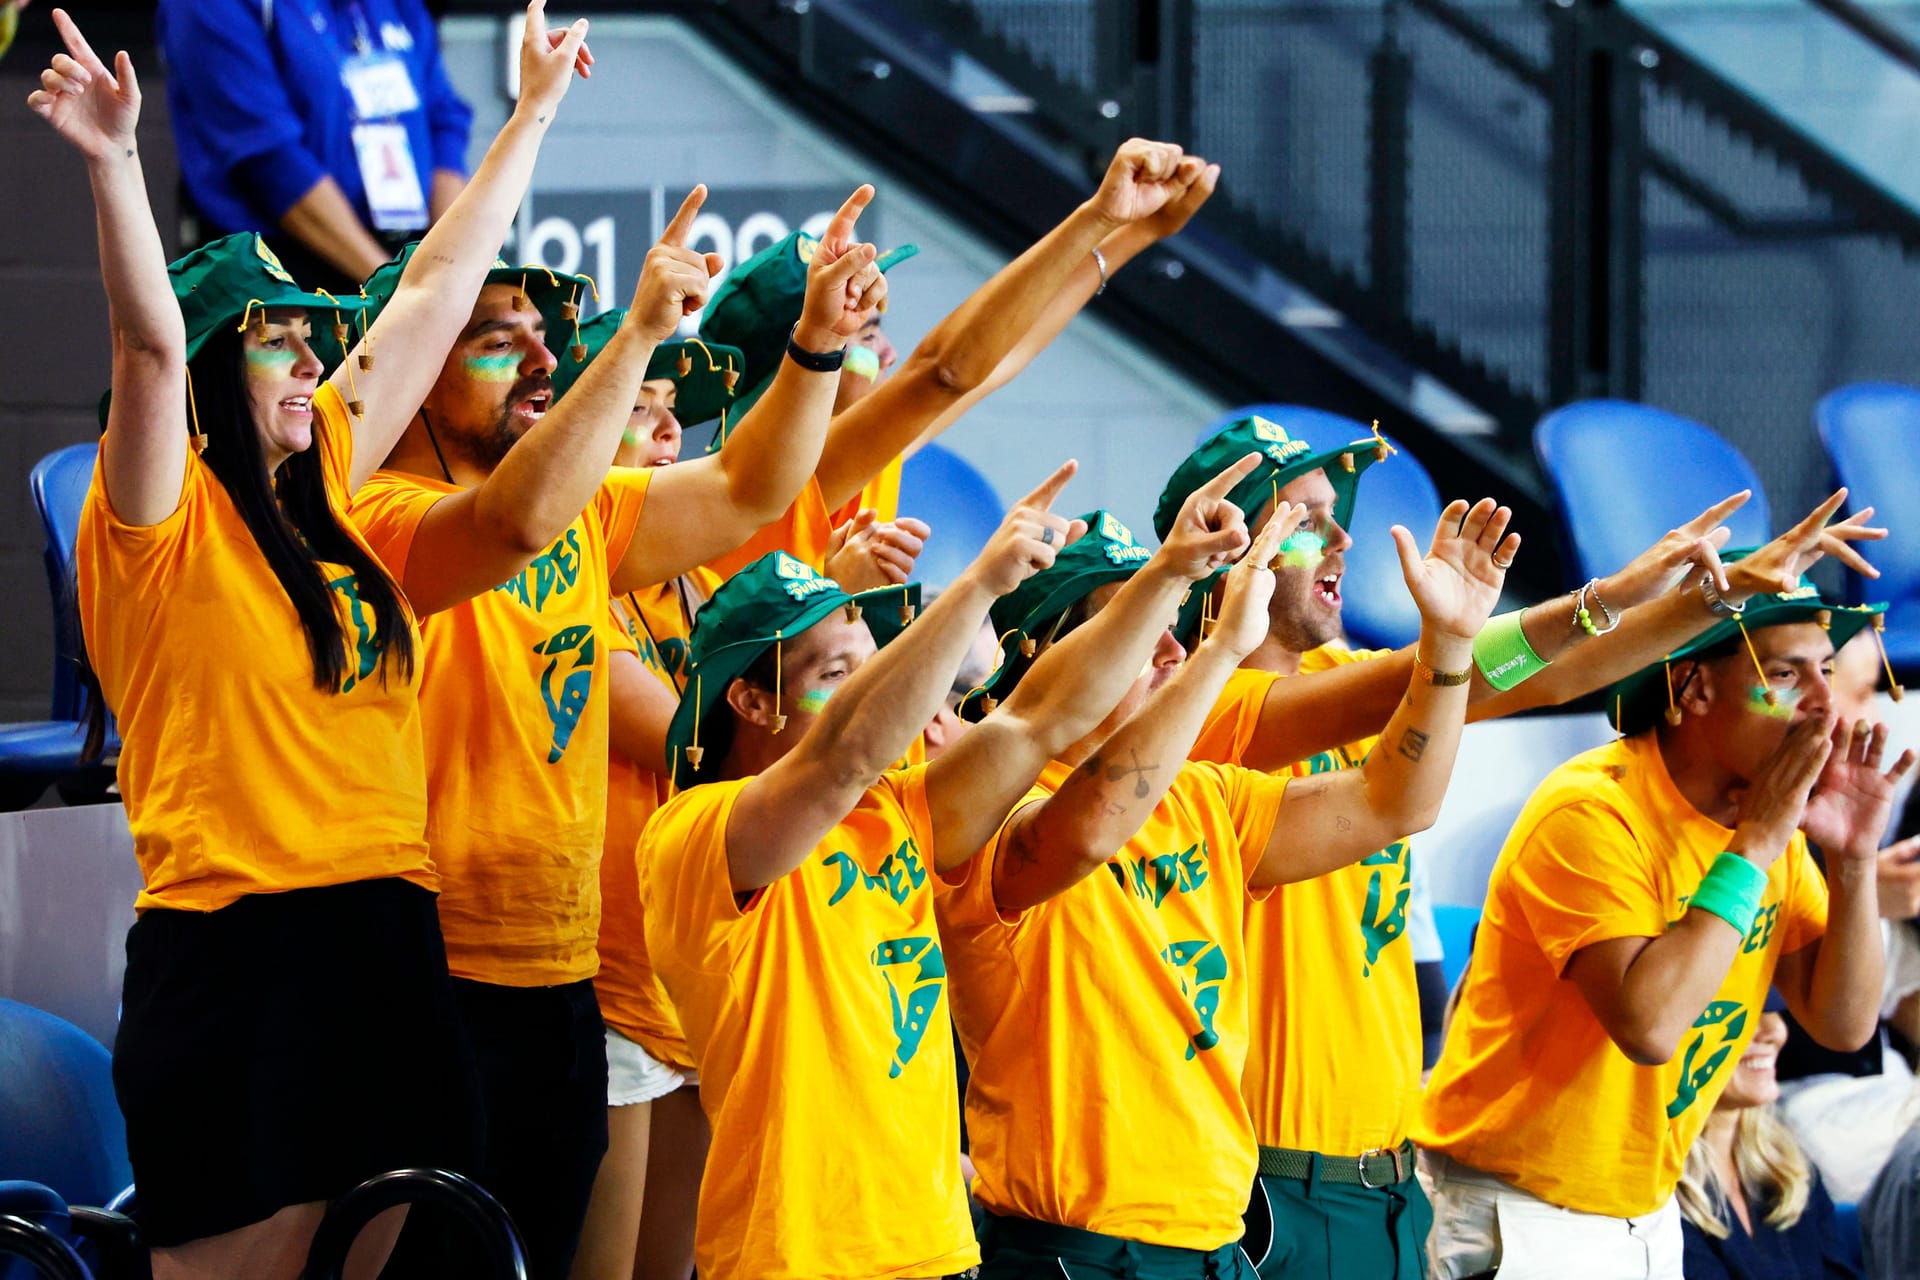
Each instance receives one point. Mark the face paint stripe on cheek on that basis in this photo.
(814, 701)
(1302, 549)
(494, 368)
(1782, 709)
(274, 361)
(863, 362)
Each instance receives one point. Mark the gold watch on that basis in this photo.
(1442, 679)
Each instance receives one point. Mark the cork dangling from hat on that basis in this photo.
(695, 752)
(779, 720)
(1766, 686)
(1880, 642)
(366, 337)
(1381, 450)
(1673, 708)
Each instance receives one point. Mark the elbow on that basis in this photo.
(943, 372)
(1846, 1032)
(1646, 1050)
(520, 533)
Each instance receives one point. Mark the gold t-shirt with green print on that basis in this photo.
(1530, 1087)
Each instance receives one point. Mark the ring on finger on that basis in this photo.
(1046, 535)
(1498, 563)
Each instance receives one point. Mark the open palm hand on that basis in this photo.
(1459, 581)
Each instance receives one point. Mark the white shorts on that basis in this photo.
(635, 1076)
(1480, 1222)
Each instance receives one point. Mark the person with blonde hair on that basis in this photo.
(1752, 1206)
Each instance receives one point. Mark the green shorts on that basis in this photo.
(1022, 1249)
(1314, 1229)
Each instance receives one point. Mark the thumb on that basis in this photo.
(123, 72)
(863, 520)
(842, 269)
(1409, 554)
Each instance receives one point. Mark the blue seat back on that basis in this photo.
(1377, 611)
(59, 482)
(1871, 431)
(1456, 924)
(1625, 474)
(59, 1122)
(939, 486)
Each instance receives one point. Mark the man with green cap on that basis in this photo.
(877, 422)
(1650, 893)
(1138, 1163)
(1334, 1073)
(502, 523)
(801, 950)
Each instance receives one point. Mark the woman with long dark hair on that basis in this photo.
(288, 1027)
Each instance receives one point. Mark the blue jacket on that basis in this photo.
(260, 112)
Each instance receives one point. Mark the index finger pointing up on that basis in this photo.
(840, 231)
(1042, 499)
(682, 224)
(1221, 485)
(76, 43)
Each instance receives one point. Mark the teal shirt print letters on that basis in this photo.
(1384, 917)
(914, 968)
(1714, 1036)
(365, 657)
(566, 679)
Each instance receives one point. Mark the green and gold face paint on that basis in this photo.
(504, 368)
(814, 701)
(275, 363)
(1780, 708)
(863, 362)
(1302, 549)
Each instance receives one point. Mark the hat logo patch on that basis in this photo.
(271, 260)
(1121, 555)
(1291, 449)
(1113, 531)
(787, 567)
(804, 247)
(1271, 431)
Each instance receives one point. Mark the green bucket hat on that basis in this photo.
(1637, 703)
(703, 376)
(1283, 459)
(776, 597)
(554, 293)
(1030, 615)
(224, 282)
(759, 303)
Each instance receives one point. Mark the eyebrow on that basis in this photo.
(496, 325)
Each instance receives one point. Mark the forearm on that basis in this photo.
(325, 222)
(1321, 710)
(548, 477)
(133, 262)
(1669, 982)
(447, 186)
(1844, 986)
(1077, 682)
(894, 695)
(1646, 634)
(459, 249)
(772, 452)
(1408, 770)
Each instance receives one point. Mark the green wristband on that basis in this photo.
(1731, 889)
(1502, 653)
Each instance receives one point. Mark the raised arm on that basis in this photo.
(418, 326)
(144, 452)
(1120, 247)
(699, 510)
(781, 814)
(1079, 681)
(640, 710)
(964, 349)
(471, 541)
(1834, 985)
(1646, 992)
(1054, 843)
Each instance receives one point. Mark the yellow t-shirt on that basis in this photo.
(513, 701)
(826, 1059)
(882, 493)
(1530, 1088)
(1108, 1025)
(804, 532)
(1335, 1062)
(632, 1001)
(239, 776)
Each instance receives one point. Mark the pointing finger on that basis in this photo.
(76, 43)
(1717, 513)
(840, 231)
(681, 225)
(1221, 485)
(1042, 499)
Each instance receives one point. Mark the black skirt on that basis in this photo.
(282, 1049)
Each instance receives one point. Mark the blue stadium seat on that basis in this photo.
(59, 1122)
(1625, 474)
(1377, 612)
(942, 488)
(1871, 431)
(1456, 924)
(1853, 1245)
(36, 753)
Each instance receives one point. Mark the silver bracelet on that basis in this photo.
(1100, 261)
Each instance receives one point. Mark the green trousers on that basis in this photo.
(1022, 1249)
(1309, 1229)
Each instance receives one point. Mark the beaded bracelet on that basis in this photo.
(1583, 617)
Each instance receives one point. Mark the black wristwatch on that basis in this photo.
(814, 361)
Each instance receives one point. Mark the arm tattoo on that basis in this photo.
(1342, 823)
(1022, 849)
(1413, 744)
(1137, 771)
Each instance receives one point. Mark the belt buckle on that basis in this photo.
(1394, 1152)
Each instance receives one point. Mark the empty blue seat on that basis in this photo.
(1456, 925)
(942, 488)
(1625, 474)
(59, 1122)
(1871, 431)
(1377, 611)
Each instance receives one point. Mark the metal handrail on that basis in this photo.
(1874, 31)
(46, 1252)
(327, 1257)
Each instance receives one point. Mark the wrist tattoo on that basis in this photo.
(1413, 744)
